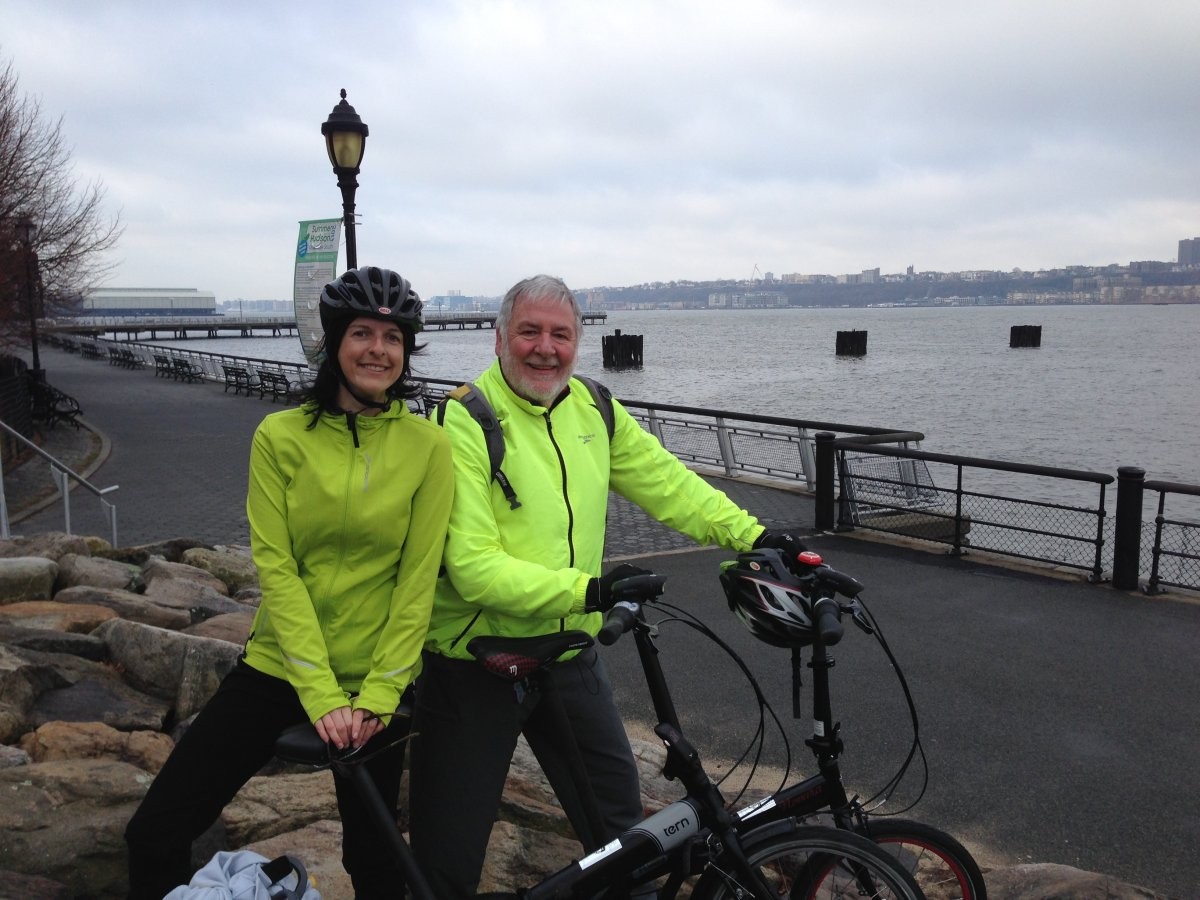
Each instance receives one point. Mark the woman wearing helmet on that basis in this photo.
(348, 503)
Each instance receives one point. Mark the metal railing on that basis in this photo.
(62, 475)
(890, 498)
(879, 479)
(1175, 554)
(209, 364)
(731, 443)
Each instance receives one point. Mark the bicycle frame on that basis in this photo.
(824, 790)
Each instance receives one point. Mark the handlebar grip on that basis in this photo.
(617, 621)
(828, 620)
(638, 588)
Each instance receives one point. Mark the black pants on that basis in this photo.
(231, 739)
(465, 730)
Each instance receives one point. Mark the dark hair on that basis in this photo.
(321, 394)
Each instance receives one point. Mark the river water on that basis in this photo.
(1109, 386)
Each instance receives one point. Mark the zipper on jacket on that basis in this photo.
(562, 467)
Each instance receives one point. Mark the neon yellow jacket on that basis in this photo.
(522, 572)
(348, 541)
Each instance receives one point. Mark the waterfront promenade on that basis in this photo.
(1058, 717)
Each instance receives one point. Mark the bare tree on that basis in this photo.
(37, 181)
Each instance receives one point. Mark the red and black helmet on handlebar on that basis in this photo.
(769, 598)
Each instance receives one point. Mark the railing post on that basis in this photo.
(726, 445)
(1127, 542)
(823, 441)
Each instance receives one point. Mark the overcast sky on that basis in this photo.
(614, 143)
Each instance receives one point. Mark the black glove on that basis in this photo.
(789, 544)
(600, 590)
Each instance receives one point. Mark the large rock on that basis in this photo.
(22, 680)
(234, 566)
(82, 645)
(50, 544)
(232, 627)
(158, 571)
(49, 615)
(127, 605)
(1045, 881)
(180, 668)
(65, 820)
(171, 550)
(274, 804)
(75, 569)
(33, 887)
(100, 697)
(319, 847)
(147, 750)
(27, 578)
(199, 601)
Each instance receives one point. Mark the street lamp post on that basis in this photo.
(25, 230)
(345, 140)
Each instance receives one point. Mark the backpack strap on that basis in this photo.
(603, 399)
(481, 411)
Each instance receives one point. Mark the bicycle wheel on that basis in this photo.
(812, 862)
(942, 867)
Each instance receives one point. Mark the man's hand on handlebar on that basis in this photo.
(790, 545)
(606, 590)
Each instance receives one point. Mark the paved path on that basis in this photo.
(1060, 718)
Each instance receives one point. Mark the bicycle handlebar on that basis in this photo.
(630, 593)
(827, 612)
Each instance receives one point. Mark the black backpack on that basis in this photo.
(481, 411)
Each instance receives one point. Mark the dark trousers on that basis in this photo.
(465, 729)
(229, 741)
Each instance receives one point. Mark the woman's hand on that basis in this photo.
(345, 727)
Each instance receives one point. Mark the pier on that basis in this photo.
(181, 328)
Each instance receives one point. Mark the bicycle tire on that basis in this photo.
(941, 866)
(813, 862)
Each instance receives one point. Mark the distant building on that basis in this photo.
(143, 302)
(1189, 252)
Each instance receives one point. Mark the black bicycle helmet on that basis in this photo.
(768, 598)
(370, 291)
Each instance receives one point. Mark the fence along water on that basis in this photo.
(889, 486)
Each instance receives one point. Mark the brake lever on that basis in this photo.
(858, 616)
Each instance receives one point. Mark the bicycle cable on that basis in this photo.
(757, 742)
(884, 794)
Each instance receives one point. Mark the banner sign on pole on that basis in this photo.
(316, 266)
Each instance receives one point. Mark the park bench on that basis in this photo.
(163, 367)
(185, 370)
(90, 351)
(125, 358)
(51, 406)
(239, 379)
(274, 383)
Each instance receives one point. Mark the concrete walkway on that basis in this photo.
(1059, 718)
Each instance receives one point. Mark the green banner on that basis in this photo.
(316, 266)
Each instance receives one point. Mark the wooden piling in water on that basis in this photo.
(1025, 336)
(621, 351)
(851, 343)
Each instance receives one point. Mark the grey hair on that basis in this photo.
(538, 287)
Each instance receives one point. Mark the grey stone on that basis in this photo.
(100, 698)
(234, 566)
(26, 578)
(83, 645)
(156, 571)
(231, 627)
(127, 605)
(11, 757)
(93, 571)
(180, 668)
(199, 601)
(64, 820)
(52, 545)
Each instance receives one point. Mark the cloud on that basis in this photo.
(621, 142)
